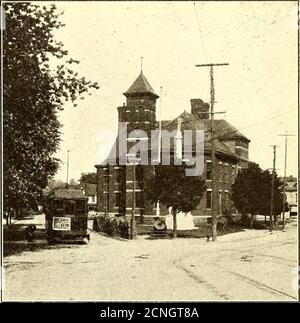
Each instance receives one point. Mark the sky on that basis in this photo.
(258, 89)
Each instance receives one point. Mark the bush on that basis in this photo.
(114, 227)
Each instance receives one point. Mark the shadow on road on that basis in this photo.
(15, 241)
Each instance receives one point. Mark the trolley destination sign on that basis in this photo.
(61, 224)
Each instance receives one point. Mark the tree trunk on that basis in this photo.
(18, 214)
(174, 223)
(244, 219)
(275, 221)
(251, 221)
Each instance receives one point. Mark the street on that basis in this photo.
(248, 265)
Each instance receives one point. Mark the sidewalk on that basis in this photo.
(38, 220)
(14, 236)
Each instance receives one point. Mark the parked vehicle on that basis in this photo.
(66, 215)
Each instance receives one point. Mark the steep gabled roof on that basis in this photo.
(190, 122)
(139, 86)
(224, 130)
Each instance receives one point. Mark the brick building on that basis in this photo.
(115, 182)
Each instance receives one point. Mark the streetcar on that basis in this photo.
(66, 216)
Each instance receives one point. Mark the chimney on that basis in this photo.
(199, 109)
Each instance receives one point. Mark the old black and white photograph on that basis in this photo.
(149, 151)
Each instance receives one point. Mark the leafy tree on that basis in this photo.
(88, 178)
(174, 189)
(54, 184)
(251, 192)
(33, 93)
(74, 184)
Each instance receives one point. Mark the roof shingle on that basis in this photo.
(140, 85)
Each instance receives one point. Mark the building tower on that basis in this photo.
(139, 113)
(140, 109)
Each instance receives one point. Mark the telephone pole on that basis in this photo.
(286, 135)
(272, 189)
(133, 161)
(133, 205)
(159, 144)
(213, 149)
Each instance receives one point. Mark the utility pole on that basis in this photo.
(213, 149)
(286, 135)
(133, 205)
(67, 183)
(159, 144)
(134, 161)
(272, 190)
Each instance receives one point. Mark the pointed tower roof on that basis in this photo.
(140, 86)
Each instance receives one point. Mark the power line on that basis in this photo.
(201, 36)
(251, 125)
(255, 124)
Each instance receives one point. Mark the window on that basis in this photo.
(69, 207)
(221, 172)
(80, 207)
(106, 201)
(226, 173)
(208, 199)
(226, 200)
(233, 173)
(139, 173)
(58, 207)
(208, 171)
(139, 200)
(118, 175)
(220, 203)
(117, 199)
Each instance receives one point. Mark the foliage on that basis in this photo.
(116, 226)
(251, 192)
(174, 189)
(88, 178)
(33, 93)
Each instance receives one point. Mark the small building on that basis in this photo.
(291, 193)
(90, 191)
(115, 181)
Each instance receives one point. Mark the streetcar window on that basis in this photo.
(69, 207)
(58, 207)
(58, 204)
(80, 207)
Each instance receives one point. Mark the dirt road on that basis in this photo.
(250, 265)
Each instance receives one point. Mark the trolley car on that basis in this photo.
(66, 216)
